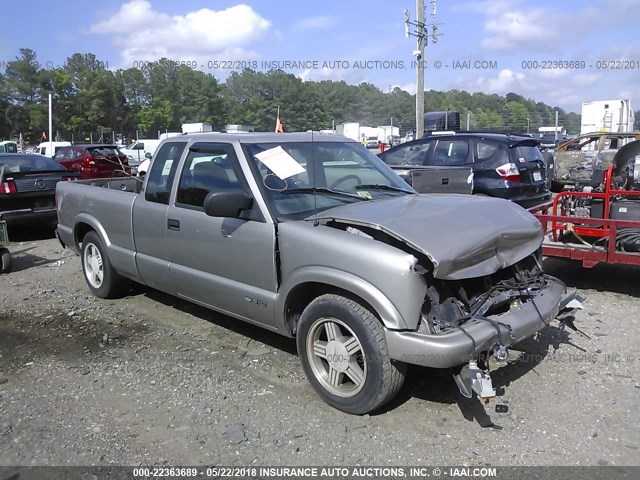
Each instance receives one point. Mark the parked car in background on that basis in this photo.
(28, 187)
(49, 149)
(138, 150)
(549, 141)
(143, 168)
(371, 142)
(503, 165)
(8, 147)
(94, 161)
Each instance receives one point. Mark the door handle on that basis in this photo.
(445, 181)
(173, 224)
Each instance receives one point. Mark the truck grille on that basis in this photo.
(26, 185)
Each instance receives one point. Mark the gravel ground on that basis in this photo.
(152, 380)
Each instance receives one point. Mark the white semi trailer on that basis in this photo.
(607, 116)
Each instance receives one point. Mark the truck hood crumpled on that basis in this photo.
(464, 236)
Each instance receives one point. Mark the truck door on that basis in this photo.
(226, 263)
(150, 217)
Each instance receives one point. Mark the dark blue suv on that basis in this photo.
(503, 165)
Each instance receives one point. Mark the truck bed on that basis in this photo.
(108, 209)
(125, 184)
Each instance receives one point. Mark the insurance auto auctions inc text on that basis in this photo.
(376, 472)
(374, 64)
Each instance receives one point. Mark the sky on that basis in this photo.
(562, 53)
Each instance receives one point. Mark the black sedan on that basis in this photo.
(28, 188)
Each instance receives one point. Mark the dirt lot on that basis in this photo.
(153, 380)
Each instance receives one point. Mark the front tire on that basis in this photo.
(101, 278)
(344, 355)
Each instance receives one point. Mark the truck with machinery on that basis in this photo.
(312, 236)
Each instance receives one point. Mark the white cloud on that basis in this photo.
(322, 22)
(144, 34)
(408, 87)
(567, 90)
(513, 26)
(132, 16)
(349, 75)
(505, 81)
(513, 29)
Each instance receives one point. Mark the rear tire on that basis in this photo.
(5, 260)
(101, 278)
(344, 355)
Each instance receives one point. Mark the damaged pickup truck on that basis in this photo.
(312, 236)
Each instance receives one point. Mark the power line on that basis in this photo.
(421, 32)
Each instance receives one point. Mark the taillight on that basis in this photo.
(509, 172)
(88, 161)
(8, 187)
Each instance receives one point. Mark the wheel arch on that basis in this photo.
(85, 224)
(307, 284)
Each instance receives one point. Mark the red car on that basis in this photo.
(94, 161)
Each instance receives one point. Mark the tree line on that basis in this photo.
(162, 95)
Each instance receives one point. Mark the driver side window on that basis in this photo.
(206, 171)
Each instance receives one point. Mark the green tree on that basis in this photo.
(516, 116)
(158, 115)
(25, 90)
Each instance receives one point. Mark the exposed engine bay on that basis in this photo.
(450, 303)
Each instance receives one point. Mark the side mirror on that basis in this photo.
(148, 155)
(227, 203)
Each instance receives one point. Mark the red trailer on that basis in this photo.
(593, 225)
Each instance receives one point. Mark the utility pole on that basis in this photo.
(420, 70)
(421, 34)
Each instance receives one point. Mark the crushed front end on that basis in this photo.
(464, 322)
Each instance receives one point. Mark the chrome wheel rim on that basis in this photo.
(93, 267)
(336, 357)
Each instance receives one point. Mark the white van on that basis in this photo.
(49, 149)
(139, 149)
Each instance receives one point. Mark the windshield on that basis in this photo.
(299, 179)
(102, 151)
(28, 163)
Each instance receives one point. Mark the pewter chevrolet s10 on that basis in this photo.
(312, 236)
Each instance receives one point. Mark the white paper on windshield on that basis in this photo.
(280, 162)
